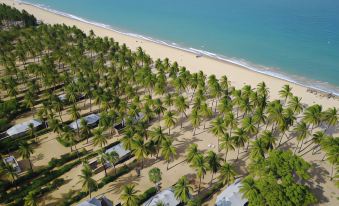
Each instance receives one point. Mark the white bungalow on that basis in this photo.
(12, 161)
(21, 129)
(136, 119)
(102, 201)
(92, 120)
(231, 196)
(165, 197)
(119, 149)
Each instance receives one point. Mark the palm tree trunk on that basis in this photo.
(199, 185)
(238, 153)
(167, 164)
(295, 150)
(30, 164)
(226, 151)
(212, 178)
(331, 178)
(103, 164)
(302, 142)
(181, 119)
(194, 131)
(169, 130)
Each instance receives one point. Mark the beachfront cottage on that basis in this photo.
(231, 196)
(21, 129)
(12, 161)
(119, 148)
(122, 124)
(92, 121)
(102, 201)
(166, 197)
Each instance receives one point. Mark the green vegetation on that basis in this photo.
(9, 14)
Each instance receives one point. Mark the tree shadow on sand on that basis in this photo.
(318, 175)
(184, 143)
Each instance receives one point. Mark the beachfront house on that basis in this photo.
(123, 153)
(102, 201)
(231, 196)
(12, 161)
(122, 124)
(166, 197)
(92, 121)
(22, 128)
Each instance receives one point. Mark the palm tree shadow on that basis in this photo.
(240, 166)
(37, 157)
(318, 175)
(183, 143)
(118, 184)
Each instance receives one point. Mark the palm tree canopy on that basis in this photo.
(182, 189)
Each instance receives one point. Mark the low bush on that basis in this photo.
(147, 194)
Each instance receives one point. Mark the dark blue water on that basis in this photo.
(298, 37)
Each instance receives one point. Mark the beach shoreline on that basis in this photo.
(238, 73)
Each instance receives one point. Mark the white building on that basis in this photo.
(102, 201)
(21, 129)
(12, 161)
(166, 197)
(118, 149)
(231, 196)
(92, 120)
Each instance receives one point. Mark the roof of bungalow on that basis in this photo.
(166, 197)
(90, 119)
(12, 161)
(118, 149)
(102, 201)
(62, 97)
(23, 127)
(231, 196)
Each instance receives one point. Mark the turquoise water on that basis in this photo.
(295, 40)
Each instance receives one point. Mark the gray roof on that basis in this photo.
(12, 161)
(90, 119)
(118, 149)
(23, 127)
(62, 97)
(166, 197)
(102, 201)
(231, 196)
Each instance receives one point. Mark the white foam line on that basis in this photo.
(320, 86)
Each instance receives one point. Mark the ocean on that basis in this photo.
(293, 40)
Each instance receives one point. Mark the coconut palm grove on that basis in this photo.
(195, 133)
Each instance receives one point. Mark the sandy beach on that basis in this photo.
(238, 75)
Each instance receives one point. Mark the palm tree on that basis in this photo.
(286, 92)
(182, 105)
(231, 121)
(333, 158)
(258, 148)
(139, 149)
(226, 143)
(75, 115)
(331, 117)
(8, 169)
(159, 108)
(269, 139)
(249, 126)
(240, 138)
(192, 152)
(158, 136)
(227, 173)
(206, 112)
(129, 195)
(31, 131)
(168, 151)
(25, 151)
(85, 131)
(302, 132)
(99, 138)
(200, 165)
(218, 128)
(318, 137)
(113, 157)
(295, 104)
(102, 158)
(155, 175)
(31, 199)
(170, 120)
(182, 189)
(88, 183)
(249, 188)
(313, 115)
(213, 162)
(195, 120)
